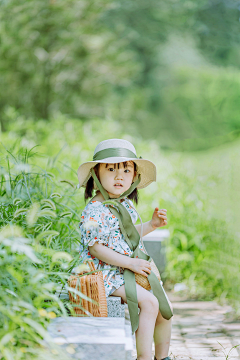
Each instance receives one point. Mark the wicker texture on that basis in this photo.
(92, 286)
(143, 281)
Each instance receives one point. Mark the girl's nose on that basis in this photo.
(119, 174)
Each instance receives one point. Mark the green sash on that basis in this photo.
(132, 238)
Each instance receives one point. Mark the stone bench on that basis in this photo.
(154, 244)
(104, 338)
(115, 308)
(93, 337)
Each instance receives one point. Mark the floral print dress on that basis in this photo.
(98, 224)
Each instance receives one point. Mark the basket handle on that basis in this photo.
(91, 265)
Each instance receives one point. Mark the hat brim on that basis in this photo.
(146, 168)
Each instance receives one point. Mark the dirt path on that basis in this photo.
(199, 327)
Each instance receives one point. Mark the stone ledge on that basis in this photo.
(115, 308)
(93, 338)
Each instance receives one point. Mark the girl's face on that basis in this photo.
(115, 178)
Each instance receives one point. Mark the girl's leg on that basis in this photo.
(162, 335)
(148, 305)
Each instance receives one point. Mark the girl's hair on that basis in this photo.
(90, 185)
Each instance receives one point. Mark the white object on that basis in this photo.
(157, 235)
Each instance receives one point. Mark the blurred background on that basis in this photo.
(162, 74)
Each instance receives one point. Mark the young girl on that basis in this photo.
(110, 239)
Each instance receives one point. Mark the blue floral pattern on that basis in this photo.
(98, 224)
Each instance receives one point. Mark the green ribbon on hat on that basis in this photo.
(132, 238)
(114, 152)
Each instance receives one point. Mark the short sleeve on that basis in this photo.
(93, 225)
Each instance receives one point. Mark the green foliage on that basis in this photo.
(37, 247)
(41, 207)
(58, 56)
(218, 20)
(160, 68)
(206, 100)
(203, 250)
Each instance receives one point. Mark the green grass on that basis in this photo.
(40, 212)
(38, 241)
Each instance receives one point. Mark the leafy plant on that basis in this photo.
(227, 355)
(38, 244)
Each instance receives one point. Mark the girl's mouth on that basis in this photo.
(118, 185)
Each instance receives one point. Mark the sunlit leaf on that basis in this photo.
(47, 233)
(8, 355)
(38, 227)
(11, 292)
(61, 255)
(17, 275)
(39, 328)
(7, 184)
(26, 305)
(48, 203)
(47, 212)
(6, 338)
(183, 240)
(20, 212)
(57, 195)
(18, 245)
(69, 183)
(47, 227)
(66, 214)
(11, 231)
(185, 257)
(16, 201)
(32, 214)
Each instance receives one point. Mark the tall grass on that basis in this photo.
(203, 250)
(40, 212)
(38, 244)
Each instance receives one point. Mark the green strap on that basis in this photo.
(114, 152)
(132, 238)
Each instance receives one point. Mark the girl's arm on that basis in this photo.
(147, 228)
(112, 257)
(159, 219)
(109, 256)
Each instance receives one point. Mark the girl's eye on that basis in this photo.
(111, 169)
(127, 171)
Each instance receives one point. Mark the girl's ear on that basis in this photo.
(135, 176)
(96, 169)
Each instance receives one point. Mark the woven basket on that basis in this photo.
(143, 281)
(92, 286)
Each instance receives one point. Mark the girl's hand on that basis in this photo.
(159, 218)
(140, 266)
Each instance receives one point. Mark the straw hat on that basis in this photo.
(114, 151)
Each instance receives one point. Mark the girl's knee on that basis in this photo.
(160, 319)
(120, 292)
(149, 304)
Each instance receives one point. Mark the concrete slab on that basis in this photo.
(93, 338)
(115, 308)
